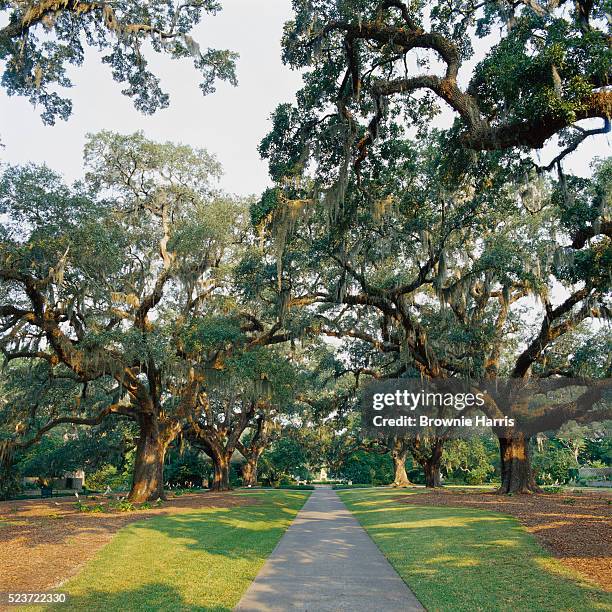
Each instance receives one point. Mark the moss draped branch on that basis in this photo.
(483, 130)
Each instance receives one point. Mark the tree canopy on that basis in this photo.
(41, 39)
(514, 74)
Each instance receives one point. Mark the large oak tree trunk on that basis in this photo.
(219, 443)
(148, 477)
(254, 450)
(221, 480)
(431, 465)
(219, 454)
(428, 454)
(433, 477)
(399, 466)
(516, 471)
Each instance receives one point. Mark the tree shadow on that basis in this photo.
(243, 532)
(59, 522)
(152, 596)
(456, 552)
(174, 562)
(157, 547)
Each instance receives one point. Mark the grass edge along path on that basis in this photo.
(200, 560)
(460, 559)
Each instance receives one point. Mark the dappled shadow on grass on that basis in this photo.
(465, 558)
(575, 526)
(570, 524)
(238, 532)
(148, 597)
(41, 522)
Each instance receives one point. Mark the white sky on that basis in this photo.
(229, 123)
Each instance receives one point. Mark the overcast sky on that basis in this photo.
(229, 123)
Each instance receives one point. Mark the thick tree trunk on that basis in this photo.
(254, 451)
(249, 472)
(433, 477)
(428, 454)
(148, 477)
(431, 465)
(399, 466)
(516, 472)
(221, 463)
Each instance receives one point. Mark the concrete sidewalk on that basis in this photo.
(326, 561)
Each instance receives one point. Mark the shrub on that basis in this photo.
(287, 480)
(123, 506)
(553, 464)
(368, 468)
(328, 482)
(82, 507)
(186, 468)
(108, 476)
(296, 486)
(469, 461)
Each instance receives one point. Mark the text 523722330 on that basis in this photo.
(19, 599)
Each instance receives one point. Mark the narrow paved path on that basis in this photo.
(326, 561)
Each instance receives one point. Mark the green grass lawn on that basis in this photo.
(200, 560)
(467, 559)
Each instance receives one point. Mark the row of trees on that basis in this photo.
(143, 294)
(438, 266)
(385, 248)
(471, 461)
(119, 298)
(106, 453)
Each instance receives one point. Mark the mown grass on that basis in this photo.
(198, 560)
(465, 559)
